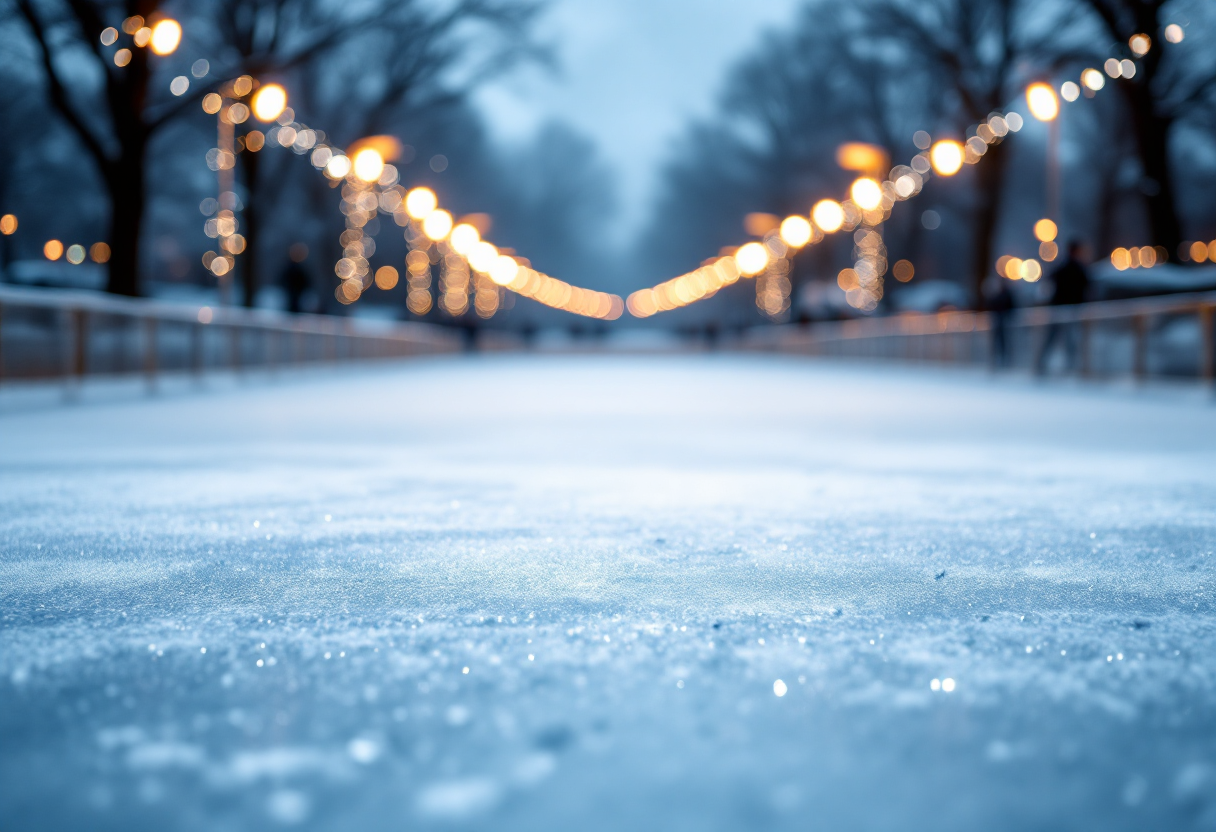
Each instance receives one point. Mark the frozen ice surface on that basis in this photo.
(699, 593)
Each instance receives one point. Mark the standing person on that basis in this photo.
(1071, 285)
(295, 277)
(999, 301)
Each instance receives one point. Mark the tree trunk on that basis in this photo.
(1153, 138)
(251, 225)
(990, 184)
(125, 183)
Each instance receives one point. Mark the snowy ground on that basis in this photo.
(566, 593)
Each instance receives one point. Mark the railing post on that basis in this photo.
(196, 350)
(1207, 343)
(235, 346)
(150, 345)
(80, 345)
(1084, 347)
(1139, 347)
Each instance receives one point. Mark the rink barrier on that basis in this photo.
(49, 333)
(1164, 336)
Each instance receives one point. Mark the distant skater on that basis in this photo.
(1071, 286)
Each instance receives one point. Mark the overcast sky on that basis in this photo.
(631, 74)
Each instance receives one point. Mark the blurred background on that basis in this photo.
(610, 145)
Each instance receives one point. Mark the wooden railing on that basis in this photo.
(46, 333)
(1167, 336)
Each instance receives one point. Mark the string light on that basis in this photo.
(368, 165)
(946, 156)
(269, 102)
(828, 215)
(434, 237)
(1042, 102)
(164, 37)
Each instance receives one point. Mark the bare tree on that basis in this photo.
(409, 60)
(117, 123)
(1172, 82)
(976, 54)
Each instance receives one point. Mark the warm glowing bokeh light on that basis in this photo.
(166, 35)
(946, 156)
(1045, 230)
(1174, 33)
(504, 269)
(8, 224)
(796, 231)
(828, 215)
(269, 102)
(338, 167)
(1093, 79)
(863, 158)
(866, 193)
(482, 256)
(1140, 44)
(386, 277)
(368, 164)
(99, 252)
(1042, 101)
(437, 225)
(53, 249)
(420, 202)
(463, 238)
(751, 259)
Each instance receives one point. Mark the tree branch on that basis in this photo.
(56, 90)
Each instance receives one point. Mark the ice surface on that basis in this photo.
(702, 593)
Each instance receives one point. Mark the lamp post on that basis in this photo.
(1044, 106)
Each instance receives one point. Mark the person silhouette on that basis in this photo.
(1070, 286)
(296, 280)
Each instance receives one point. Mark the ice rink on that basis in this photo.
(610, 593)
